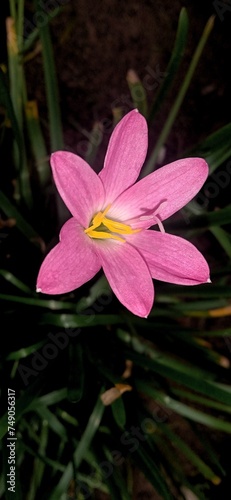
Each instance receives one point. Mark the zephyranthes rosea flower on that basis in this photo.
(112, 217)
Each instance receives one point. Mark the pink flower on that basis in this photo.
(111, 220)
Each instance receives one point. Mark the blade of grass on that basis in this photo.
(37, 141)
(23, 403)
(149, 167)
(76, 372)
(26, 229)
(201, 400)
(6, 101)
(152, 472)
(193, 377)
(174, 63)
(138, 92)
(187, 451)
(51, 82)
(215, 148)
(86, 439)
(183, 409)
(54, 305)
(52, 421)
(73, 320)
(95, 140)
(223, 237)
(24, 352)
(39, 465)
(188, 376)
(15, 281)
(18, 96)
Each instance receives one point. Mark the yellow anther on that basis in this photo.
(113, 226)
(103, 235)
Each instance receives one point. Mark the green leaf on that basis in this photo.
(174, 63)
(152, 472)
(8, 276)
(24, 351)
(101, 287)
(149, 167)
(138, 92)
(186, 375)
(187, 451)
(6, 101)
(90, 430)
(119, 412)
(11, 210)
(76, 372)
(51, 82)
(53, 305)
(95, 139)
(38, 147)
(74, 320)
(183, 409)
(191, 376)
(223, 237)
(219, 217)
(216, 148)
(23, 403)
(51, 419)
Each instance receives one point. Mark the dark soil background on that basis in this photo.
(96, 43)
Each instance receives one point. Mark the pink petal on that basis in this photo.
(125, 156)
(70, 263)
(128, 275)
(78, 185)
(171, 258)
(166, 190)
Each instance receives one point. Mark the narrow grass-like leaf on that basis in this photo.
(39, 465)
(138, 92)
(53, 397)
(183, 409)
(200, 292)
(5, 100)
(219, 217)
(152, 472)
(54, 305)
(74, 320)
(223, 237)
(191, 396)
(11, 210)
(119, 412)
(216, 148)
(174, 63)
(115, 480)
(188, 452)
(51, 419)
(18, 96)
(191, 376)
(90, 430)
(24, 352)
(226, 332)
(185, 375)
(76, 372)
(51, 82)
(101, 287)
(23, 403)
(95, 139)
(42, 167)
(8, 276)
(149, 167)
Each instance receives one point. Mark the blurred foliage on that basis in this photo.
(100, 392)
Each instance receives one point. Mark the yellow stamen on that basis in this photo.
(112, 225)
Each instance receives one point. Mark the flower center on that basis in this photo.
(102, 227)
